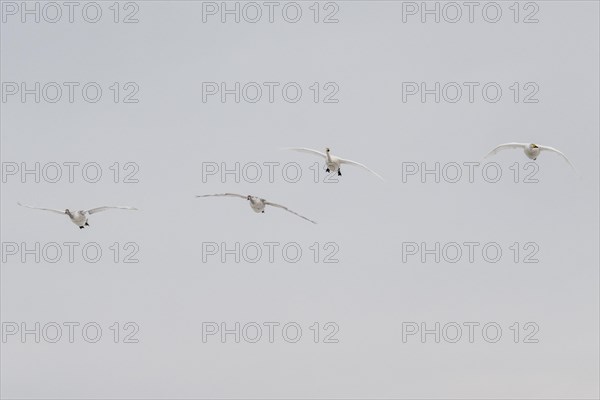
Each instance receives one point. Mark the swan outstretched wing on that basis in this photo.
(224, 194)
(288, 210)
(507, 146)
(552, 149)
(99, 209)
(44, 209)
(306, 150)
(344, 161)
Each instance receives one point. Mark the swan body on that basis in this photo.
(258, 204)
(79, 217)
(334, 163)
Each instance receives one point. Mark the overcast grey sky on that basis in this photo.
(171, 135)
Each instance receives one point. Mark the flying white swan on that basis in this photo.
(333, 163)
(258, 204)
(531, 150)
(79, 218)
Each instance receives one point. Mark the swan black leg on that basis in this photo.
(86, 224)
(339, 172)
(81, 227)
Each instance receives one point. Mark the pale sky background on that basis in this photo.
(370, 292)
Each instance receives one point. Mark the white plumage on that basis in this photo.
(332, 162)
(80, 217)
(531, 150)
(258, 204)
